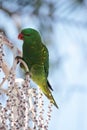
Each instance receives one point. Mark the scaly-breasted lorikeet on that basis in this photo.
(36, 56)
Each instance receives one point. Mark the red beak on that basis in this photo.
(20, 36)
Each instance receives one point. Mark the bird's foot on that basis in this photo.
(18, 58)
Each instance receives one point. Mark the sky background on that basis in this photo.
(65, 36)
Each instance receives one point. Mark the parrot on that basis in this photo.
(36, 56)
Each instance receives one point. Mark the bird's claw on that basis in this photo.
(17, 58)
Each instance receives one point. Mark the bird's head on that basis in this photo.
(29, 34)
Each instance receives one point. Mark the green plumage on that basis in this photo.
(36, 56)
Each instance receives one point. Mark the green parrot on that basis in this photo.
(36, 56)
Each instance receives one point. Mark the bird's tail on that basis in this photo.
(50, 97)
(46, 90)
(52, 100)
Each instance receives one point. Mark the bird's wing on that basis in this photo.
(46, 60)
(46, 64)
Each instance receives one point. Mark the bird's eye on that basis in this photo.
(27, 34)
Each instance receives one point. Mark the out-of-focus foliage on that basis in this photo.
(44, 12)
(34, 9)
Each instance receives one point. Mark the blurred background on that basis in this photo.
(63, 27)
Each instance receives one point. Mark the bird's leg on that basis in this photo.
(23, 64)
